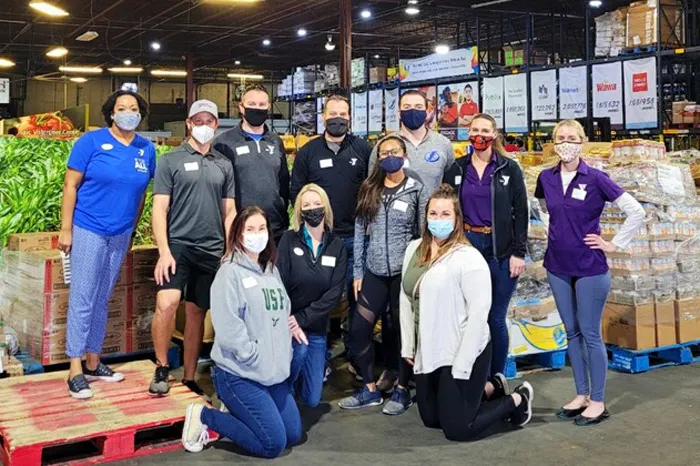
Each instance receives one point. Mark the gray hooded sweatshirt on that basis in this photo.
(249, 311)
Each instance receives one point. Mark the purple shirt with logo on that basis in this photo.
(574, 215)
(476, 195)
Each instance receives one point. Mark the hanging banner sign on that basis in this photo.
(320, 126)
(543, 89)
(391, 110)
(359, 114)
(4, 91)
(573, 95)
(457, 105)
(457, 62)
(492, 94)
(516, 103)
(376, 108)
(607, 92)
(641, 106)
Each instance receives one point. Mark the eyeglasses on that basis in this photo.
(391, 153)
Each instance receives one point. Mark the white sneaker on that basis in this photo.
(194, 434)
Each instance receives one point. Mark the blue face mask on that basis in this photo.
(441, 229)
(392, 164)
(127, 121)
(413, 119)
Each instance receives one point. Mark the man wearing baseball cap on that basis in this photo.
(193, 210)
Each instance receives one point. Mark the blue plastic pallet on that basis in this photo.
(638, 50)
(637, 361)
(31, 366)
(553, 360)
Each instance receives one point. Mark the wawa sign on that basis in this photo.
(607, 92)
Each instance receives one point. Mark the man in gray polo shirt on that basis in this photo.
(193, 210)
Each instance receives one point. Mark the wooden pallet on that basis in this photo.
(41, 424)
(638, 361)
(551, 360)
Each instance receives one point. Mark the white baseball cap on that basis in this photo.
(204, 106)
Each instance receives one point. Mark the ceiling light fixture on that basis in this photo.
(266, 42)
(301, 32)
(376, 57)
(126, 70)
(87, 36)
(80, 69)
(330, 46)
(237, 62)
(442, 49)
(412, 7)
(127, 62)
(245, 76)
(176, 73)
(494, 2)
(155, 46)
(595, 3)
(5, 63)
(79, 80)
(48, 9)
(365, 14)
(57, 52)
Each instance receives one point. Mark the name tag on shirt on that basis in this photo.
(326, 163)
(242, 150)
(579, 194)
(191, 166)
(400, 205)
(328, 261)
(458, 180)
(249, 282)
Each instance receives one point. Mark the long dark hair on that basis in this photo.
(269, 254)
(370, 195)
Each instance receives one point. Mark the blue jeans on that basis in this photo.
(580, 302)
(502, 288)
(308, 367)
(262, 420)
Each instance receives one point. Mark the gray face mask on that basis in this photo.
(127, 121)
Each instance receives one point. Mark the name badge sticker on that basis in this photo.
(328, 261)
(191, 166)
(326, 163)
(579, 194)
(400, 206)
(249, 282)
(243, 150)
(458, 180)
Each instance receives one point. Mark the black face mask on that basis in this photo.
(337, 127)
(255, 116)
(313, 217)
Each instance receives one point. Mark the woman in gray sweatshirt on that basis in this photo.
(252, 348)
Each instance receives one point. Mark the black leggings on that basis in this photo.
(457, 406)
(372, 301)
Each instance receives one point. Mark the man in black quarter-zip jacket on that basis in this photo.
(259, 161)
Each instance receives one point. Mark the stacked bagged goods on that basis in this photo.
(610, 33)
(303, 81)
(635, 150)
(643, 24)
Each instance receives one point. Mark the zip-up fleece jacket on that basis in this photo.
(261, 173)
(314, 284)
(249, 312)
(509, 208)
(380, 245)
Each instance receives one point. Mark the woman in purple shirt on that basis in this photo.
(574, 195)
(495, 217)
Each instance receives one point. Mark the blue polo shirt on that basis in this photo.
(574, 215)
(115, 177)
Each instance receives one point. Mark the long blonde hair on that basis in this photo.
(457, 237)
(498, 140)
(297, 221)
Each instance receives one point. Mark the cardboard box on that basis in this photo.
(53, 343)
(142, 298)
(665, 321)
(25, 242)
(180, 318)
(377, 75)
(687, 320)
(532, 336)
(643, 24)
(628, 326)
(680, 109)
(140, 338)
(143, 263)
(535, 308)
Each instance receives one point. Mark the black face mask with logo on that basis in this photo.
(255, 116)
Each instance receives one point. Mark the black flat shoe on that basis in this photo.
(583, 421)
(564, 413)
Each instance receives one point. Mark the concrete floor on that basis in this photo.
(655, 421)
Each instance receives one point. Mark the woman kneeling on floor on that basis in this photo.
(252, 348)
(444, 303)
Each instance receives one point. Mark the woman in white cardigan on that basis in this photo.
(444, 308)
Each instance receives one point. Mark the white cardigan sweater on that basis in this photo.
(454, 299)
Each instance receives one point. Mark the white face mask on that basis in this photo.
(568, 151)
(203, 134)
(255, 242)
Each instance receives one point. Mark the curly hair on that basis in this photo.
(108, 106)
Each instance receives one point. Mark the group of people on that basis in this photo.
(430, 245)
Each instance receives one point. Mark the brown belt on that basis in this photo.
(482, 230)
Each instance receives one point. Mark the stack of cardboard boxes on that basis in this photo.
(610, 33)
(644, 18)
(685, 113)
(35, 299)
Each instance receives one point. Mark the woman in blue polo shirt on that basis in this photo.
(103, 195)
(574, 195)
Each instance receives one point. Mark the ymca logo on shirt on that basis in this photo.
(353, 161)
(270, 149)
(140, 165)
(432, 157)
(274, 299)
(141, 152)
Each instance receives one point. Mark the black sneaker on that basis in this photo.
(500, 386)
(193, 387)
(523, 413)
(79, 388)
(160, 385)
(102, 373)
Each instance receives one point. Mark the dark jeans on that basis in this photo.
(455, 406)
(262, 420)
(502, 288)
(308, 366)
